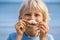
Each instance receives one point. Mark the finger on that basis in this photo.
(20, 26)
(18, 29)
(24, 20)
(44, 29)
(44, 24)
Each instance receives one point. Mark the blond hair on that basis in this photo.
(37, 4)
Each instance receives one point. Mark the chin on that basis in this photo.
(34, 34)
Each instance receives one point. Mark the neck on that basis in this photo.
(30, 34)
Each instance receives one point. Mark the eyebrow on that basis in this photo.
(27, 14)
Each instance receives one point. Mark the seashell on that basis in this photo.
(32, 22)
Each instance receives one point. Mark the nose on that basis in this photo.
(31, 17)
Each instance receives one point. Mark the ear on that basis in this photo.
(44, 20)
(20, 17)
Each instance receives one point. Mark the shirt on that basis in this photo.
(13, 36)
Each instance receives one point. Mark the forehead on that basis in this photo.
(31, 9)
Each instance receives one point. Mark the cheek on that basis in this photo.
(25, 17)
(39, 19)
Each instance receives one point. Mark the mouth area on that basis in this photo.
(32, 24)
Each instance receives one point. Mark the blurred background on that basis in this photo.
(9, 16)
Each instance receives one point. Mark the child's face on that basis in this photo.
(32, 14)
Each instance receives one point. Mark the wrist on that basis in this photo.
(19, 37)
(43, 37)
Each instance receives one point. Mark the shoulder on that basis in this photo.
(49, 37)
(26, 37)
(12, 36)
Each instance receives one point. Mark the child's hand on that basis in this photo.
(20, 26)
(43, 29)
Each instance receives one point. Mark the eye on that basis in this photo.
(27, 14)
(37, 15)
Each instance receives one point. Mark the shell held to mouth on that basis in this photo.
(32, 22)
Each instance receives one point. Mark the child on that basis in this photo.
(32, 10)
